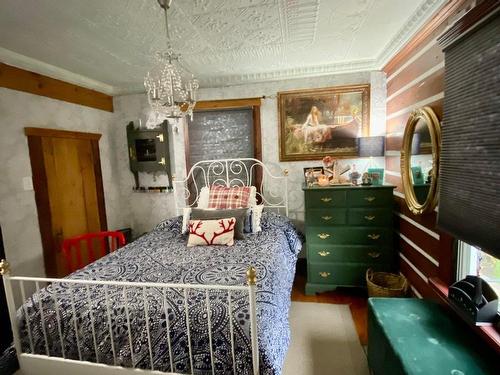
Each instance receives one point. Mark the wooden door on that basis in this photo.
(68, 189)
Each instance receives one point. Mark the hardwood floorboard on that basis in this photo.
(355, 298)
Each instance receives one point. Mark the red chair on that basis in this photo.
(107, 241)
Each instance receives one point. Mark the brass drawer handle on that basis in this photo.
(369, 218)
(326, 199)
(324, 274)
(370, 199)
(323, 236)
(374, 236)
(323, 253)
(327, 218)
(374, 254)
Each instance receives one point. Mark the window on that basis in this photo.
(472, 261)
(221, 134)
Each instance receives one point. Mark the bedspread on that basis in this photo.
(162, 256)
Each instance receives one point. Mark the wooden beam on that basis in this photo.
(226, 104)
(43, 132)
(34, 83)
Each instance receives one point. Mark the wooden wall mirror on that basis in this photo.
(420, 160)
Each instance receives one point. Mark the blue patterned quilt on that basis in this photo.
(162, 256)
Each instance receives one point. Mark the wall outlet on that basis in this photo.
(27, 183)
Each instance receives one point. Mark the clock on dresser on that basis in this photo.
(348, 230)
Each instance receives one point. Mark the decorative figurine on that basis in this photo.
(323, 180)
(366, 180)
(354, 175)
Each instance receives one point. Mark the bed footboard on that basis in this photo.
(115, 327)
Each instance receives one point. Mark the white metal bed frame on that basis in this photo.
(272, 190)
(228, 172)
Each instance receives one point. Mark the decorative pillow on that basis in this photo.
(229, 197)
(211, 232)
(252, 221)
(256, 216)
(186, 216)
(203, 197)
(240, 214)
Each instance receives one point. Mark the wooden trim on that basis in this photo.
(414, 279)
(204, 105)
(56, 133)
(101, 203)
(427, 88)
(488, 334)
(420, 238)
(446, 11)
(34, 83)
(42, 203)
(477, 15)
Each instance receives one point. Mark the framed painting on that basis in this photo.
(318, 122)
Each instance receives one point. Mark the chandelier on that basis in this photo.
(170, 94)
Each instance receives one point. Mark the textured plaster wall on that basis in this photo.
(149, 209)
(18, 212)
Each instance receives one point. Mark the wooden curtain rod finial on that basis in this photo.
(4, 267)
(251, 276)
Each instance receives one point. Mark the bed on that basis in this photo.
(157, 306)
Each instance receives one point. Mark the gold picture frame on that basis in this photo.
(428, 115)
(315, 123)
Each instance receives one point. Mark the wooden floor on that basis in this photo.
(355, 298)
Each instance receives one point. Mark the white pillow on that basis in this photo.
(256, 216)
(203, 197)
(186, 216)
(252, 199)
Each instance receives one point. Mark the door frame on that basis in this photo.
(40, 185)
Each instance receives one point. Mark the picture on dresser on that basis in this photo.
(311, 175)
(318, 122)
(377, 176)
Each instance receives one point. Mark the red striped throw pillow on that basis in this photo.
(222, 197)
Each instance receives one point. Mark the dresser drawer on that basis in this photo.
(370, 197)
(375, 236)
(349, 254)
(341, 274)
(370, 216)
(326, 216)
(325, 198)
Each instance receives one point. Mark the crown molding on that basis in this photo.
(36, 66)
(421, 15)
(419, 18)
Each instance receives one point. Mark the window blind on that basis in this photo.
(221, 134)
(469, 201)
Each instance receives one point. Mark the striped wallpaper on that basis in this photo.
(415, 78)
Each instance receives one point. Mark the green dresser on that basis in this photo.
(348, 229)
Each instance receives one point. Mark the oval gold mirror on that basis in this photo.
(420, 160)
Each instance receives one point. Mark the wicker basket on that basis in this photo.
(384, 284)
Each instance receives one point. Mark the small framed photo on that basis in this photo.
(311, 175)
(418, 176)
(377, 175)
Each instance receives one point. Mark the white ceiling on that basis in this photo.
(107, 44)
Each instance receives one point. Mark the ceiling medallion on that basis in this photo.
(170, 94)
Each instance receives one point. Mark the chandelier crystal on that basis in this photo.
(170, 94)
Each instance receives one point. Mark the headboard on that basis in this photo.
(272, 191)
